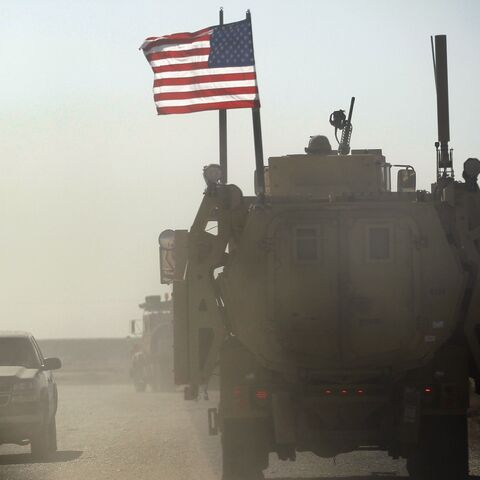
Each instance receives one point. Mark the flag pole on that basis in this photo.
(222, 131)
(257, 138)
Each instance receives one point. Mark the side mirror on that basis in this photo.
(52, 364)
(166, 242)
(406, 180)
(173, 248)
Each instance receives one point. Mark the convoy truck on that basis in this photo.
(341, 315)
(151, 362)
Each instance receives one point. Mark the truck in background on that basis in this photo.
(151, 363)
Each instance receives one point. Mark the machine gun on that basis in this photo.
(341, 122)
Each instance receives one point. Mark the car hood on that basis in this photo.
(18, 372)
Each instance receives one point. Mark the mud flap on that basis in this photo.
(283, 419)
(410, 419)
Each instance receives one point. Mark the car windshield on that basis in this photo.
(17, 352)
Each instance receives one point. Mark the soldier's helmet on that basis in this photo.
(318, 145)
(471, 168)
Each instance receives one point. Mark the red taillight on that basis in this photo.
(343, 391)
(261, 394)
(428, 390)
(328, 391)
(360, 391)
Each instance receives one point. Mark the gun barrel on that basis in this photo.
(350, 112)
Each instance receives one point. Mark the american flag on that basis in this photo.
(212, 69)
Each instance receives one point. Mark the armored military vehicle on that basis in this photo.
(152, 347)
(343, 315)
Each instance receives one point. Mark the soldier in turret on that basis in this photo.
(471, 170)
(318, 145)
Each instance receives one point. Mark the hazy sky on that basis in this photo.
(90, 175)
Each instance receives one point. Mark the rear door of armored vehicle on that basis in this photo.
(381, 267)
(304, 296)
(344, 283)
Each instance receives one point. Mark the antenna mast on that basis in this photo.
(444, 153)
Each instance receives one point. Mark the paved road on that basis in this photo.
(110, 432)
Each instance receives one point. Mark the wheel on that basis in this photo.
(244, 454)
(43, 443)
(442, 451)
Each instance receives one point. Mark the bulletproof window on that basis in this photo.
(212, 227)
(306, 244)
(379, 243)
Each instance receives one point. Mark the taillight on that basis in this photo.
(428, 390)
(261, 394)
(343, 392)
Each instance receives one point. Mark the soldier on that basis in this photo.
(471, 170)
(318, 145)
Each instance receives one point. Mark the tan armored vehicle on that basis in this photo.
(152, 345)
(343, 315)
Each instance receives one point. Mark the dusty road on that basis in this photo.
(110, 432)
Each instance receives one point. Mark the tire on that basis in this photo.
(43, 443)
(442, 452)
(53, 436)
(243, 456)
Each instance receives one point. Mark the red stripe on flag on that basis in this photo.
(178, 53)
(209, 106)
(204, 93)
(180, 67)
(172, 40)
(225, 77)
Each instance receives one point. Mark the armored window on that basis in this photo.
(306, 244)
(379, 247)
